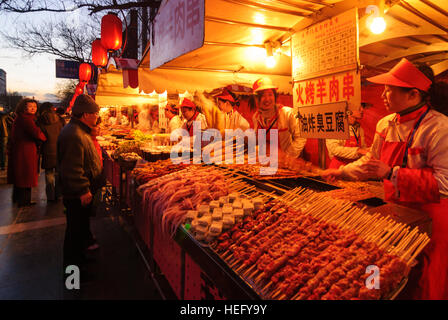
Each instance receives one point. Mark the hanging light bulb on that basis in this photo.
(375, 22)
(270, 60)
(378, 25)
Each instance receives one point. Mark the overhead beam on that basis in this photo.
(411, 51)
(260, 6)
(440, 67)
(337, 8)
(402, 20)
(418, 40)
(295, 5)
(435, 7)
(433, 57)
(246, 24)
(229, 44)
(419, 14)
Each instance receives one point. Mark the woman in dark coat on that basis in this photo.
(51, 125)
(22, 156)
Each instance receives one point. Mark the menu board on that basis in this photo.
(328, 47)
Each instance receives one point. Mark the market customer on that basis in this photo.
(6, 120)
(227, 103)
(23, 159)
(172, 113)
(51, 125)
(342, 152)
(81, 176)
(270, 115)
(410, 154)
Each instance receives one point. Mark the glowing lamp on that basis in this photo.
(111, 36)
(85, 72)
(99, 53)
(378, 25)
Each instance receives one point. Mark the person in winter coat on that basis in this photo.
(51, 125)
(81, 177)
(270, 115)
(410, 154)
(6, 121)
(345, 151)
(23, 157)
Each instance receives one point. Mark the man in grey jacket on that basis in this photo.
(80, 172)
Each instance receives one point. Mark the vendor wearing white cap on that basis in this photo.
(271, 116)
(232, 118)
(410, 153)
(191, 114)
(342, 152)
(172, 113)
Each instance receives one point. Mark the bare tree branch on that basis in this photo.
(26, 6)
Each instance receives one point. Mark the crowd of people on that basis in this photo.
(408, 153)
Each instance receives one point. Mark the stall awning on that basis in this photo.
(111, 91)
(236, 32)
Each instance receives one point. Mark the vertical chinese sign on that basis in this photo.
(326, 76)
(178, 28)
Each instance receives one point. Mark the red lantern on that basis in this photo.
(79, 89)
(85, 72)
(99, 53)
(111, 32)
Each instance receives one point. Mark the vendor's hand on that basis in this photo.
(377, 168)
(86, 199)
(362, 151)
(331, 174)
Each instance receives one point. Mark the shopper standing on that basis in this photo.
(51, 125)
(80, 171)
(6, 121)
(23, 157)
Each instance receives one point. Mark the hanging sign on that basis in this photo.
(345, 86)
(327, 47)
(327, 121)
(67, 69)
(178, 28)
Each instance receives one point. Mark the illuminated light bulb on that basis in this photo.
(378, 25)
(270, 62)
(256, 53)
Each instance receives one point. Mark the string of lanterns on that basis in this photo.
(111, 40)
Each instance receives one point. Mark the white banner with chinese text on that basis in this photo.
(178, 29)
(327, 121)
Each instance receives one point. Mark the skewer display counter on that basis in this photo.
(263, 250)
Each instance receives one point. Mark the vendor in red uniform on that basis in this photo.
(191, 114)
(410, 153)
(342, 152)
(270, 115)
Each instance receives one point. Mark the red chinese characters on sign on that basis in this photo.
(309, 92)
(348, 90)
(334, 89)
(344, 86)
(192, 14)
(321, 89)
(299, 92)
(179, 20)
